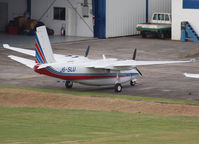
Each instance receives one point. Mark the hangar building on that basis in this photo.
(122, 16)
(98, 18)
(184, 10)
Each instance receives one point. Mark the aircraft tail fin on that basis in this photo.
(43, 49)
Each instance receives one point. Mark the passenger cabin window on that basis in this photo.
(59, 13)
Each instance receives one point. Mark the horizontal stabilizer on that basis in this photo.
(58, 57)
(20, 50)
(27, 62)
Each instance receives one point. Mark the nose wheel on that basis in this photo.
(133, 82)
(69, 84)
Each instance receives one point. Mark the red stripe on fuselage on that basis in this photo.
(73, 77)
(40, 53)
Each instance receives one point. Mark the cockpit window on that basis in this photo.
(166, 17)
(160, 16)
(155, 17)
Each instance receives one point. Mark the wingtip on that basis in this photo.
(12, 56)
(193, 60)
(6, 45)
(185, 74)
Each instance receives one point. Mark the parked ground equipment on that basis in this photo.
(160, 26)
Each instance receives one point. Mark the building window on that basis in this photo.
(59, 13)
(191, 4)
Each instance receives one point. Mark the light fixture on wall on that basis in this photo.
(85, 9)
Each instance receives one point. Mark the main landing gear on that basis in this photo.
(69, 84)
(118, 86)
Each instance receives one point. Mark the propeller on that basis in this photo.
(134, 54)
(87, 51)
(138, 71)
(133, 58)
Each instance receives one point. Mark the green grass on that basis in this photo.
(107, 95)
(44, 125)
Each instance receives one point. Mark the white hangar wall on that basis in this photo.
(179, 14)
(122, 16)
(74, 25)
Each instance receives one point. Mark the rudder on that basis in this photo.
(43, 49)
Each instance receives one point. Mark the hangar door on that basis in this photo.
(99, 11)
(3, 16)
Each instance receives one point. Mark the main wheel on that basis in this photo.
(132, 82)
(162, 35)
(143, 34)
(118, 87)
(69, 84)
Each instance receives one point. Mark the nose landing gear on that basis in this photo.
(133, 82)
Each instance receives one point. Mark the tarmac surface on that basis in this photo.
(163, 81)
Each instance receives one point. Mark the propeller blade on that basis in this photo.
(87, 51)
(138, 71)
(134, 54)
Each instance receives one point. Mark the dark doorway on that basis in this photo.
(3, 16)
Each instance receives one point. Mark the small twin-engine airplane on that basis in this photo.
(81, 69)
(191, 75)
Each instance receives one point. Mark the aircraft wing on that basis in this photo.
(27, 62)
(144, 63)
(129, 64)
(191, 75)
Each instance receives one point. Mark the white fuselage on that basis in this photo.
(76, 69)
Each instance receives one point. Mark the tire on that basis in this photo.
(118, 87)
(162, 35)
(132, 83)
(143, 34)
(69, 84)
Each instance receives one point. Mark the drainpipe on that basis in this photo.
(147, 11)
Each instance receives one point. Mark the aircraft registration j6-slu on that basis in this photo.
(81, 69)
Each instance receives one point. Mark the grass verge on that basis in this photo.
(107, 95)
(44, 125)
